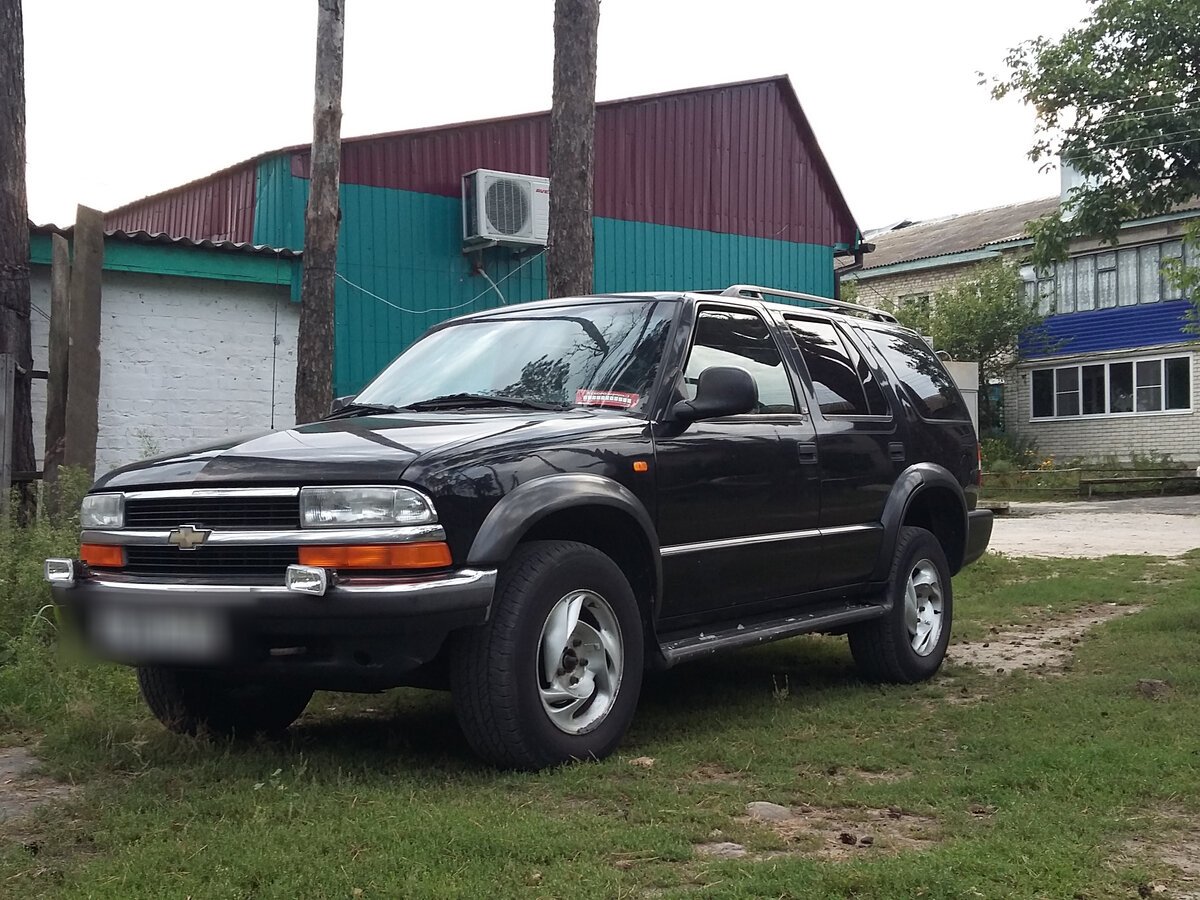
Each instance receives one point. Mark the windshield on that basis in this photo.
(602, 354)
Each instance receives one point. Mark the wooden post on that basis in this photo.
(58, 366)
(14, 250)
(8, 371)
(83, 358)
(314, 343)
(570, 259)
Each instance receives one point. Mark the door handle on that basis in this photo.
(807, 453)
(896, 451)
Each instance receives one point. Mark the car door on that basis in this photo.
(859, 450)
(737, 507)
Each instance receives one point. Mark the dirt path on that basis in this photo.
(1043, 647)
(1158, 526)
(21, 790)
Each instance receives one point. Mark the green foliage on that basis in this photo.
(982, 318)
(1007, 453)
(1118, 97)
(1034, 784)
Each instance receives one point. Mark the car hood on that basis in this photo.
(369, 449)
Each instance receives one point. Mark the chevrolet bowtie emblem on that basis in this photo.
(188, 537)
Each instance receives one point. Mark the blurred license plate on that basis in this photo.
(160, 635)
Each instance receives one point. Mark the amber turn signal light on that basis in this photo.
(102, 556)
(426, 555)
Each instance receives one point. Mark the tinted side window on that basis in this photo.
(843, 382)
(732, 338)
(923, 379)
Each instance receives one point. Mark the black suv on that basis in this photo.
(534, 504)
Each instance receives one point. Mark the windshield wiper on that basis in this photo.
(453, 401)
(363, 409)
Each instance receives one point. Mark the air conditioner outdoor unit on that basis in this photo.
(503, 208)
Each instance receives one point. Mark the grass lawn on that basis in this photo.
(1032, 791)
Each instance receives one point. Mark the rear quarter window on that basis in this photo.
(920, 375)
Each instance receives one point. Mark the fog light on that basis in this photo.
(60, 571)
(307, 580)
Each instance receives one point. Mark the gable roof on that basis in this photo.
(954, 234)
(737, 158)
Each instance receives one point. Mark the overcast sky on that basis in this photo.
(129, 97)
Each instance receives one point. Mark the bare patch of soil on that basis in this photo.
(833, 834)
(1176, 844)
(714, 774)
(1041, 647)
(843, 774)
(21, 790)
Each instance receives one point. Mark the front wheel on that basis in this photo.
(188, 701)
(555, 673)
(909, 643)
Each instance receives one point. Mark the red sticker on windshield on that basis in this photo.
(614, 399)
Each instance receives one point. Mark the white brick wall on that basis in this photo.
(1175, 433)
(184, 362)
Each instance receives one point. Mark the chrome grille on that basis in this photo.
(232, 511)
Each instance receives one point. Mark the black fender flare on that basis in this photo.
(916, 479)
(528, 504)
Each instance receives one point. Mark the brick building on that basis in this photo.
(1120, 375)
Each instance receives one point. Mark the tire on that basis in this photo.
(188, 702)
(516, 709)
(896, 648)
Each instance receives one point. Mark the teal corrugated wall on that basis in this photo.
(638, 256)
(406, 249)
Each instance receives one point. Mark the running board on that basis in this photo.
(680, 647)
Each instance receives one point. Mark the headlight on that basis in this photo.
(102, 511)
(339, 506)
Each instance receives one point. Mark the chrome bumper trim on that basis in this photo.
(462, 578)
(288, 538)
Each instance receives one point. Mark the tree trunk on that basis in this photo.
(14, 240)
(314, 345)
(570, 257)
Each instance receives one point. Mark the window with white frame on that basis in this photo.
(1121, 387)
(1124, 276)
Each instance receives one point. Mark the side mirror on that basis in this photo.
(720, 391)
(340, 402)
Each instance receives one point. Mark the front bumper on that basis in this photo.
(979, 532)
(362, 634)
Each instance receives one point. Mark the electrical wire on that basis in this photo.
(492, 286)
(38, 309)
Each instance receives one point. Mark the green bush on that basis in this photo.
(1011, 452)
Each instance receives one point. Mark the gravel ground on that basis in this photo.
(1154, 526)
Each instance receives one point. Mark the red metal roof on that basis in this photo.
(218, 207)
(735, 158)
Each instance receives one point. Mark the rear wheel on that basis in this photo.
(909, 643)
(555, 673)
(188, 701)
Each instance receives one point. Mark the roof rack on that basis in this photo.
(755, 292)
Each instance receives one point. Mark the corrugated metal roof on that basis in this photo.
(219, 207)
(737, 158)
(146, 237)
(954, 234)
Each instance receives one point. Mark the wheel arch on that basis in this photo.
(590, 509)
(926, 496)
